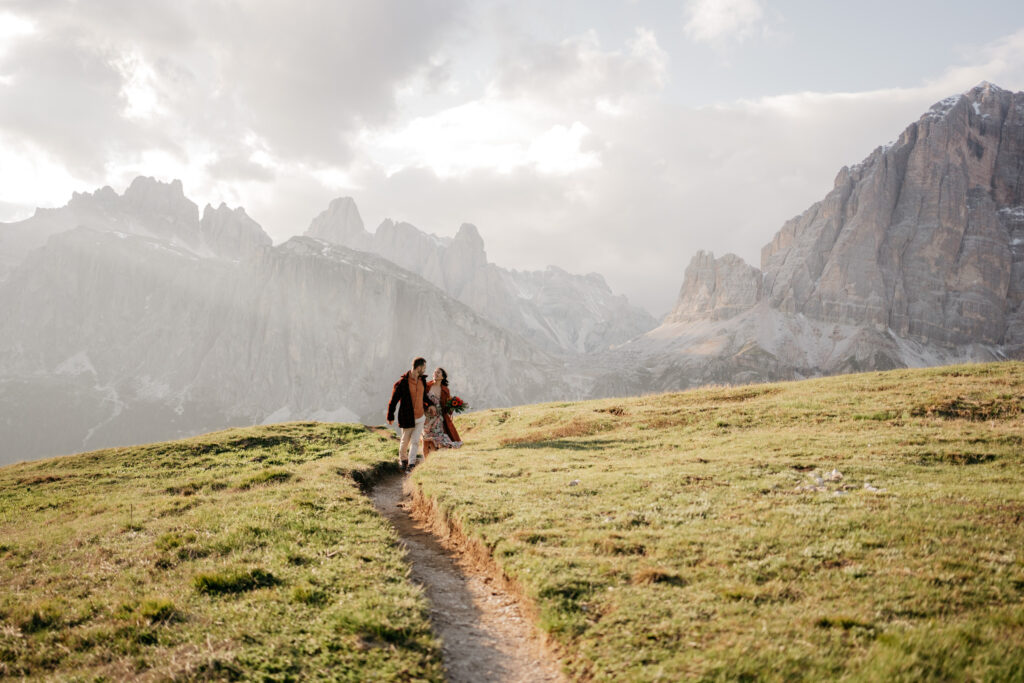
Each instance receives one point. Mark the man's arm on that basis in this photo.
(394, 402)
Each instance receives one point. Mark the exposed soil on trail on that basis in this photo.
(484, 634)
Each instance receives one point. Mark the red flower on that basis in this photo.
(456, 405)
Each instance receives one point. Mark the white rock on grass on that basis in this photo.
(834, 475)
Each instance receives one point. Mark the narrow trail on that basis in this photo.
(485, 636)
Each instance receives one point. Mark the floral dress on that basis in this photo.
(433, 428)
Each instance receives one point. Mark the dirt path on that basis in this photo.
(484, 635)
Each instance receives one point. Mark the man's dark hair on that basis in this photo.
(418, 362)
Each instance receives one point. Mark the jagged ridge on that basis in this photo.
(556, 310)
(916, 257)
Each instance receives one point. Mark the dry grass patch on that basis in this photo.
(650, 575)
(976, 409)
(578, 426)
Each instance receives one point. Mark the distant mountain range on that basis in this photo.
(134, 318)
(556, 311)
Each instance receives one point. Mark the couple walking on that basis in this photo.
(423, 412)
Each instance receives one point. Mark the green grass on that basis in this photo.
(659, 538)
(234, 581)
(684, 536)
(249, 553)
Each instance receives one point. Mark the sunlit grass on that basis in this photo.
(701, 535)
(866, 527)
(249, 553)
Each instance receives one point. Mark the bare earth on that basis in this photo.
(484, 634)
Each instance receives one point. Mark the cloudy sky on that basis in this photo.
(610, 136)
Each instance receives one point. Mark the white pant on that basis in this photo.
(407, 448)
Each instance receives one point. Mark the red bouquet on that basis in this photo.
(455, 405)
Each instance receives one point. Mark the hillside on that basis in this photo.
(246, 553)
(865, 527)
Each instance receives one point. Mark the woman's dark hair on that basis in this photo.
(444, 377)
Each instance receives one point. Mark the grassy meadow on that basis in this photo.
(864, 527)
(243, 554)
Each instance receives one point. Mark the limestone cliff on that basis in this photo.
(916, 257)
(114, 338)
(128, 319)
(716, 288)
(924, 237)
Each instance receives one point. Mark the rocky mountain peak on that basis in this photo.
(467, 248)
(209, 211)
(340, 223)
(984, 88)
(598, 281)
(105, 196)
(716, 289)
(914, 258)
(554, 309)
(469, 233)
(152, 196)
(917, 238)
(231, 233)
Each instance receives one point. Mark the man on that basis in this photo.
(410, 394)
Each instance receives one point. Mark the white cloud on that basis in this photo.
(1001, 62)
(648, 57)
(304, 76)
(490, 133)
(711, 21)
(29, 178)
(559, 150)
(566, 151)
(533, 113)
(139, 87)
(579, 70)
(13, 26)
(671, 179)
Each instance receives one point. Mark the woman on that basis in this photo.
(439, 430)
